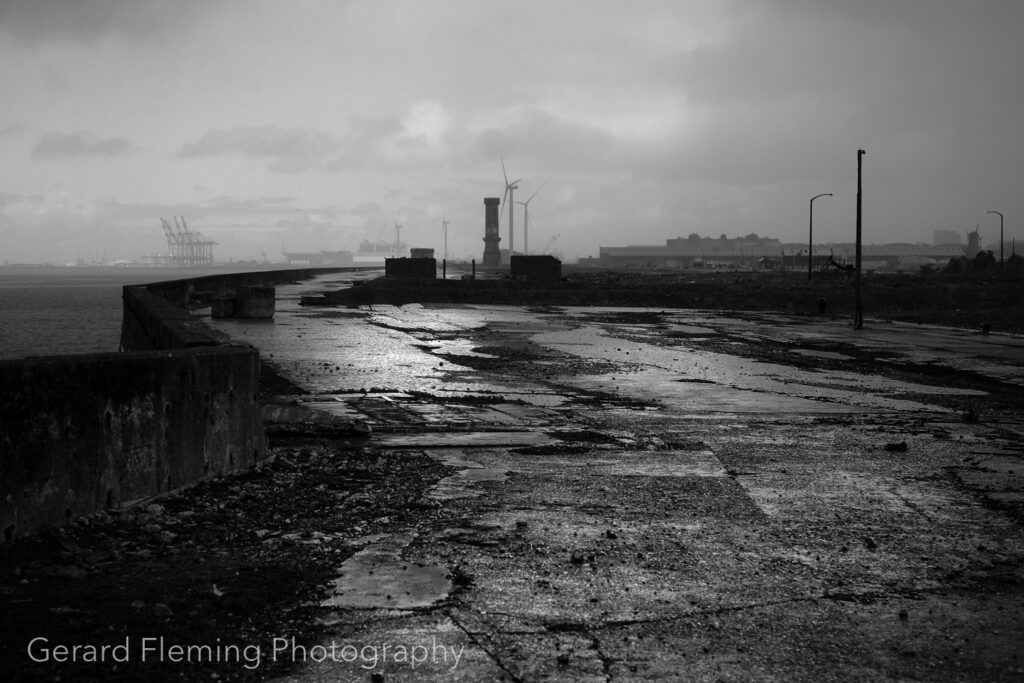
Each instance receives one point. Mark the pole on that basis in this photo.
(444, 226)
(810, 235)
(858, 316)
(511, 208)
(1000, 238)
(526, 227)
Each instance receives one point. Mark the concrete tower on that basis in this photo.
(492, 254)
(973, 243)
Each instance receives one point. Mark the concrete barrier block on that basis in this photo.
(255, 302)
(223, 307)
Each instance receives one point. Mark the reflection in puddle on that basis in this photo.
(831, 355)
(378, 577)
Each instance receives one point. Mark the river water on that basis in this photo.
(48, 311)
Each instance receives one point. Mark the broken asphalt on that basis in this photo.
(616, 494)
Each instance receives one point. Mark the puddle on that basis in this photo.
(384, 349)
(832, 355)
(690, 330)
(466, 439)
(682, 378)
(457, 347)
(461, 484)
(377, 577)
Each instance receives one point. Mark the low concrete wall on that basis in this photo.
(84, 433)
(150, 322)
(181, 292)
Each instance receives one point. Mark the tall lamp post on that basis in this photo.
(1000, 237)
(810, 235)
(858, 316)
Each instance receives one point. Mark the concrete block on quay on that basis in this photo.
(254, 302)
(414, 268)
(542, 268)
(222, 307)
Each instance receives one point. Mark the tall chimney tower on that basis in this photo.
(492, 254)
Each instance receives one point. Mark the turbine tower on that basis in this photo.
(510, 189)
(526, 219)
(444, 227)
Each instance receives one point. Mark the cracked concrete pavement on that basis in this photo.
(635, 494)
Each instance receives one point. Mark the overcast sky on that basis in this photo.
(315, 124)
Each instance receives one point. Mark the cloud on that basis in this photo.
(80, 144)
(553, 141)
(12, 129)
(365, 143)
(426, 135)
(288, 150)
(89, 20)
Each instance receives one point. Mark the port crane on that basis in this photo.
(188, 247)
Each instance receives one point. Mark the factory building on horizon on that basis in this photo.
(766, 252)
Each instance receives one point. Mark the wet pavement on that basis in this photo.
(637, 494)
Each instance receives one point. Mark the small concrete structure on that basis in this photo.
(413, 268)
(254, 302)
(421, 253)
(222, 307)
(536, 268)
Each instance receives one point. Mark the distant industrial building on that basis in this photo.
(764, 252)
(374, 253)
(693, 251)
(319, 259)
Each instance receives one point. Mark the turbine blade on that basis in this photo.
(538, 190)
(503, 171)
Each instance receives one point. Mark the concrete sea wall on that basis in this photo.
(84, 433)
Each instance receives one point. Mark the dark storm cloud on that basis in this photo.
(287, 150)
(80, 144)
(927, 84)
(89, 20)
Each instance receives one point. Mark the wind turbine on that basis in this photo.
(444, 227)
(526, 219)
(510, 189)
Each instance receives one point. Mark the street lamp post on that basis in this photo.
(858, 316)
(1000, 237)
(810, 235)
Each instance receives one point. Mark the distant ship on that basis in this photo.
(374, 253)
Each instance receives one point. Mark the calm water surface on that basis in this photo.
(54, 311)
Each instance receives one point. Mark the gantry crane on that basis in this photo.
(188, 248)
